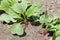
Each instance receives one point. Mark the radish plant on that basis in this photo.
(52, 23)
(18, 12)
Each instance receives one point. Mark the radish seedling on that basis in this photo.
(52, 23)
(18, 12)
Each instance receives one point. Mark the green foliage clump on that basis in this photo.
(18, 11)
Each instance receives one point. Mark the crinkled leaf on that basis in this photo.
(7, 18)
(4, 5)
(20, 7)
(17, 29)
(34, 9)
(13, 13)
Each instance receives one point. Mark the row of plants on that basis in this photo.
(21, 12)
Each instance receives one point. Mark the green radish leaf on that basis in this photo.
(20, 8)
(52, 29)
(4, 5)
(46, 14)
(13, 13)
(57, 34)
(49, 18)
(34, 10)
(57, 27)
(46, 18)
(42, 19)
(57, 38)
(56, 22)
(11, 2)
(7, 18)
(17, 29)
(56, 15)
(0, 2)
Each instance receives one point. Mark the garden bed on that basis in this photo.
(32, 31)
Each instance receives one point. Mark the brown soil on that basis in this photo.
(51, 5)
(31, 33)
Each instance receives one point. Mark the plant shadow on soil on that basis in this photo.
(1, 12)
(33, 20)
(8, 23)
(24, 34)
(37, 23)
(50, 33)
